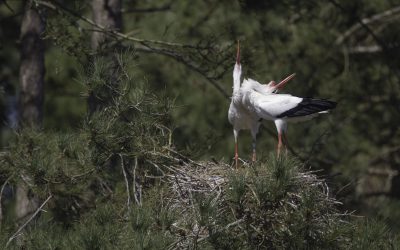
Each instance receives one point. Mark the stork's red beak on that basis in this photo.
(284, 81)
(238, 53)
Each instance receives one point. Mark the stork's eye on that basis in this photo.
(275, 91)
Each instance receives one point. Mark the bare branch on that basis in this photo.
(16, 234)
(365, 49)
(8, 6)
(367, 21)
(164, 7)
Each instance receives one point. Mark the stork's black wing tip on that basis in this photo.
(309, 106)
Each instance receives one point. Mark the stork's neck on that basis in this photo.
(237, 73)
(253, 85)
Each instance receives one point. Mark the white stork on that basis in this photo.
(253, 102)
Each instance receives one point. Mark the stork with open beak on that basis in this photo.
(253, 102)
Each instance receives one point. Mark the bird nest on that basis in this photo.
(257, 205)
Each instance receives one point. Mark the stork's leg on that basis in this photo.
(236, 154)
(279, 143)
(253, 158)
(286, 142)
(235, 134)
(254, 132)
(281, 128)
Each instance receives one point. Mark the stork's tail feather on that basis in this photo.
(309, 106)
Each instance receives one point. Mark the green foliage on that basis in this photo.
(373, 234)
(238, 190)
(99, 230)
(150, 225)
(44, 235)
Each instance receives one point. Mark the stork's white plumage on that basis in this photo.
(253, 102)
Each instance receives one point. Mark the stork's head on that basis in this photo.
(237, 70)
(275, 87)
(238, 53)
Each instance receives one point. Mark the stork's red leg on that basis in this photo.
(286, 142)
(253, 158)
(279, 144)
(235, 135)
(236, 154)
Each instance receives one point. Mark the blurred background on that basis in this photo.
(347, 51)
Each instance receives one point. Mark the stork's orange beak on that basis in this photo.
(284, 81)
(238, 53)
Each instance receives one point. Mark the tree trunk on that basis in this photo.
(31, 69)
(106, 13)
(26, 201)
(31, 94)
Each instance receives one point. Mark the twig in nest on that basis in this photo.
(1, 196)
(136, 193)
(234, 223)
(128, 202)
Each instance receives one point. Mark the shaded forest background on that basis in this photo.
(182, 53)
